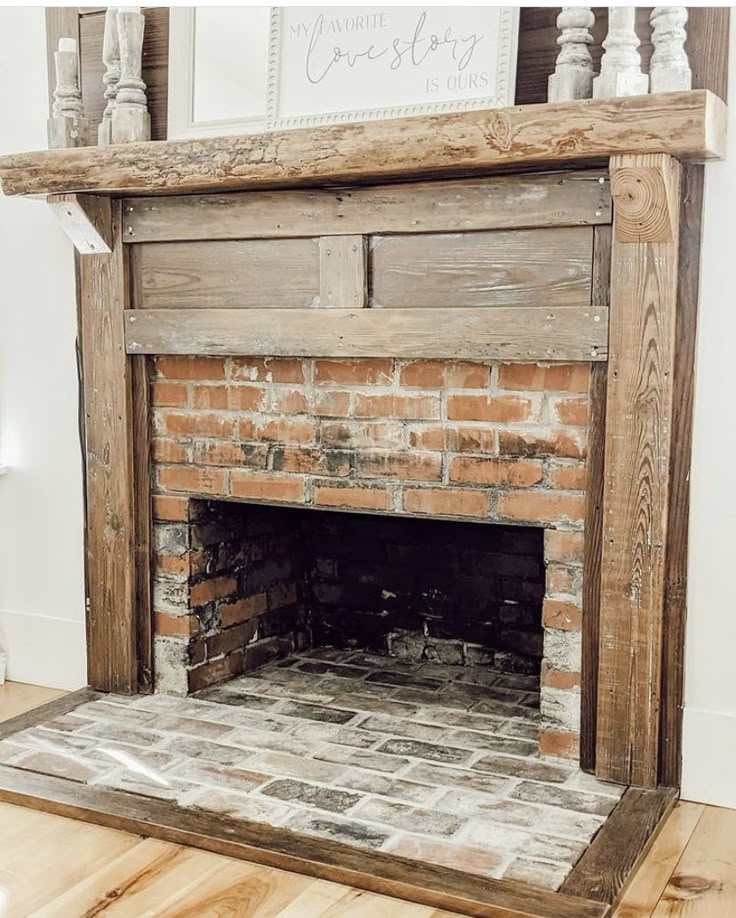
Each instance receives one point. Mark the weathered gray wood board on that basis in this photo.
(621, 845)
(504, 202)
(343, 264)
(282, 272)
(539, 267)
(511, 333)
(112, 521)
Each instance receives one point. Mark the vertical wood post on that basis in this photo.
(601, 296)
(343, 267)
(639, 410)
(707, 44)
(113, 517)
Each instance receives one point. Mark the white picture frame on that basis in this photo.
(402, 61)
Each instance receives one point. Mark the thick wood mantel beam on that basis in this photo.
(686, 125)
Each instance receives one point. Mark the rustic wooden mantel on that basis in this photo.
(689, 126)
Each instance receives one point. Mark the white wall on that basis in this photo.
(709, 753)
(41, 548)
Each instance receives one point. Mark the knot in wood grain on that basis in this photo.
(687, 886)
(641, 195)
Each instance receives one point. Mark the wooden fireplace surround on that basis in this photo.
(638, 332)
(640, 346)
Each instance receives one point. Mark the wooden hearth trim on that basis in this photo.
(514, 333)
(638, 451)
(617, 850)
(508, 202)
(47, 711)
(687, 125)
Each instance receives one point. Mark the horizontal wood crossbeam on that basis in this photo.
(506, 202)
(686, 125)
(502, 333)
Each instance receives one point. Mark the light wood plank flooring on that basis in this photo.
(60, 868)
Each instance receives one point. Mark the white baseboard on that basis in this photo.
(44, 650)
(708, 756)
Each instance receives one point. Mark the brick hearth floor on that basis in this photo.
(428, 761)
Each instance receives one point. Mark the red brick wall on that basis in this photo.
(503, 442)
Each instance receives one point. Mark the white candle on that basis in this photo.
(68, 44)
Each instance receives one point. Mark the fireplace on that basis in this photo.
(265, 581)
(442, 518)
(503, 355)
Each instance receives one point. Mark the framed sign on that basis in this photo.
(320, 65)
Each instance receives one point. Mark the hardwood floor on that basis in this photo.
(52, 867)
(690, 871)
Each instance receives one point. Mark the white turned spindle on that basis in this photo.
(621, 64)
(67, 126)
(669, 70)
(573, 76)
(111, 60)
(130, 119)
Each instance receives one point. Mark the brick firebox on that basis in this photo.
(504, 443)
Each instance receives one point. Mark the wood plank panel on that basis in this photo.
(110, 502)
(155, 72)
(282, 272)
(649, 881)
(538, 34)
(514, 333)
(503, 202)
(388, 874)
(343, 272)
(637, 464)
(621, 844)
(708, 49)
(526, 267)
(676, 561)
(594, 515)
(689, 125)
